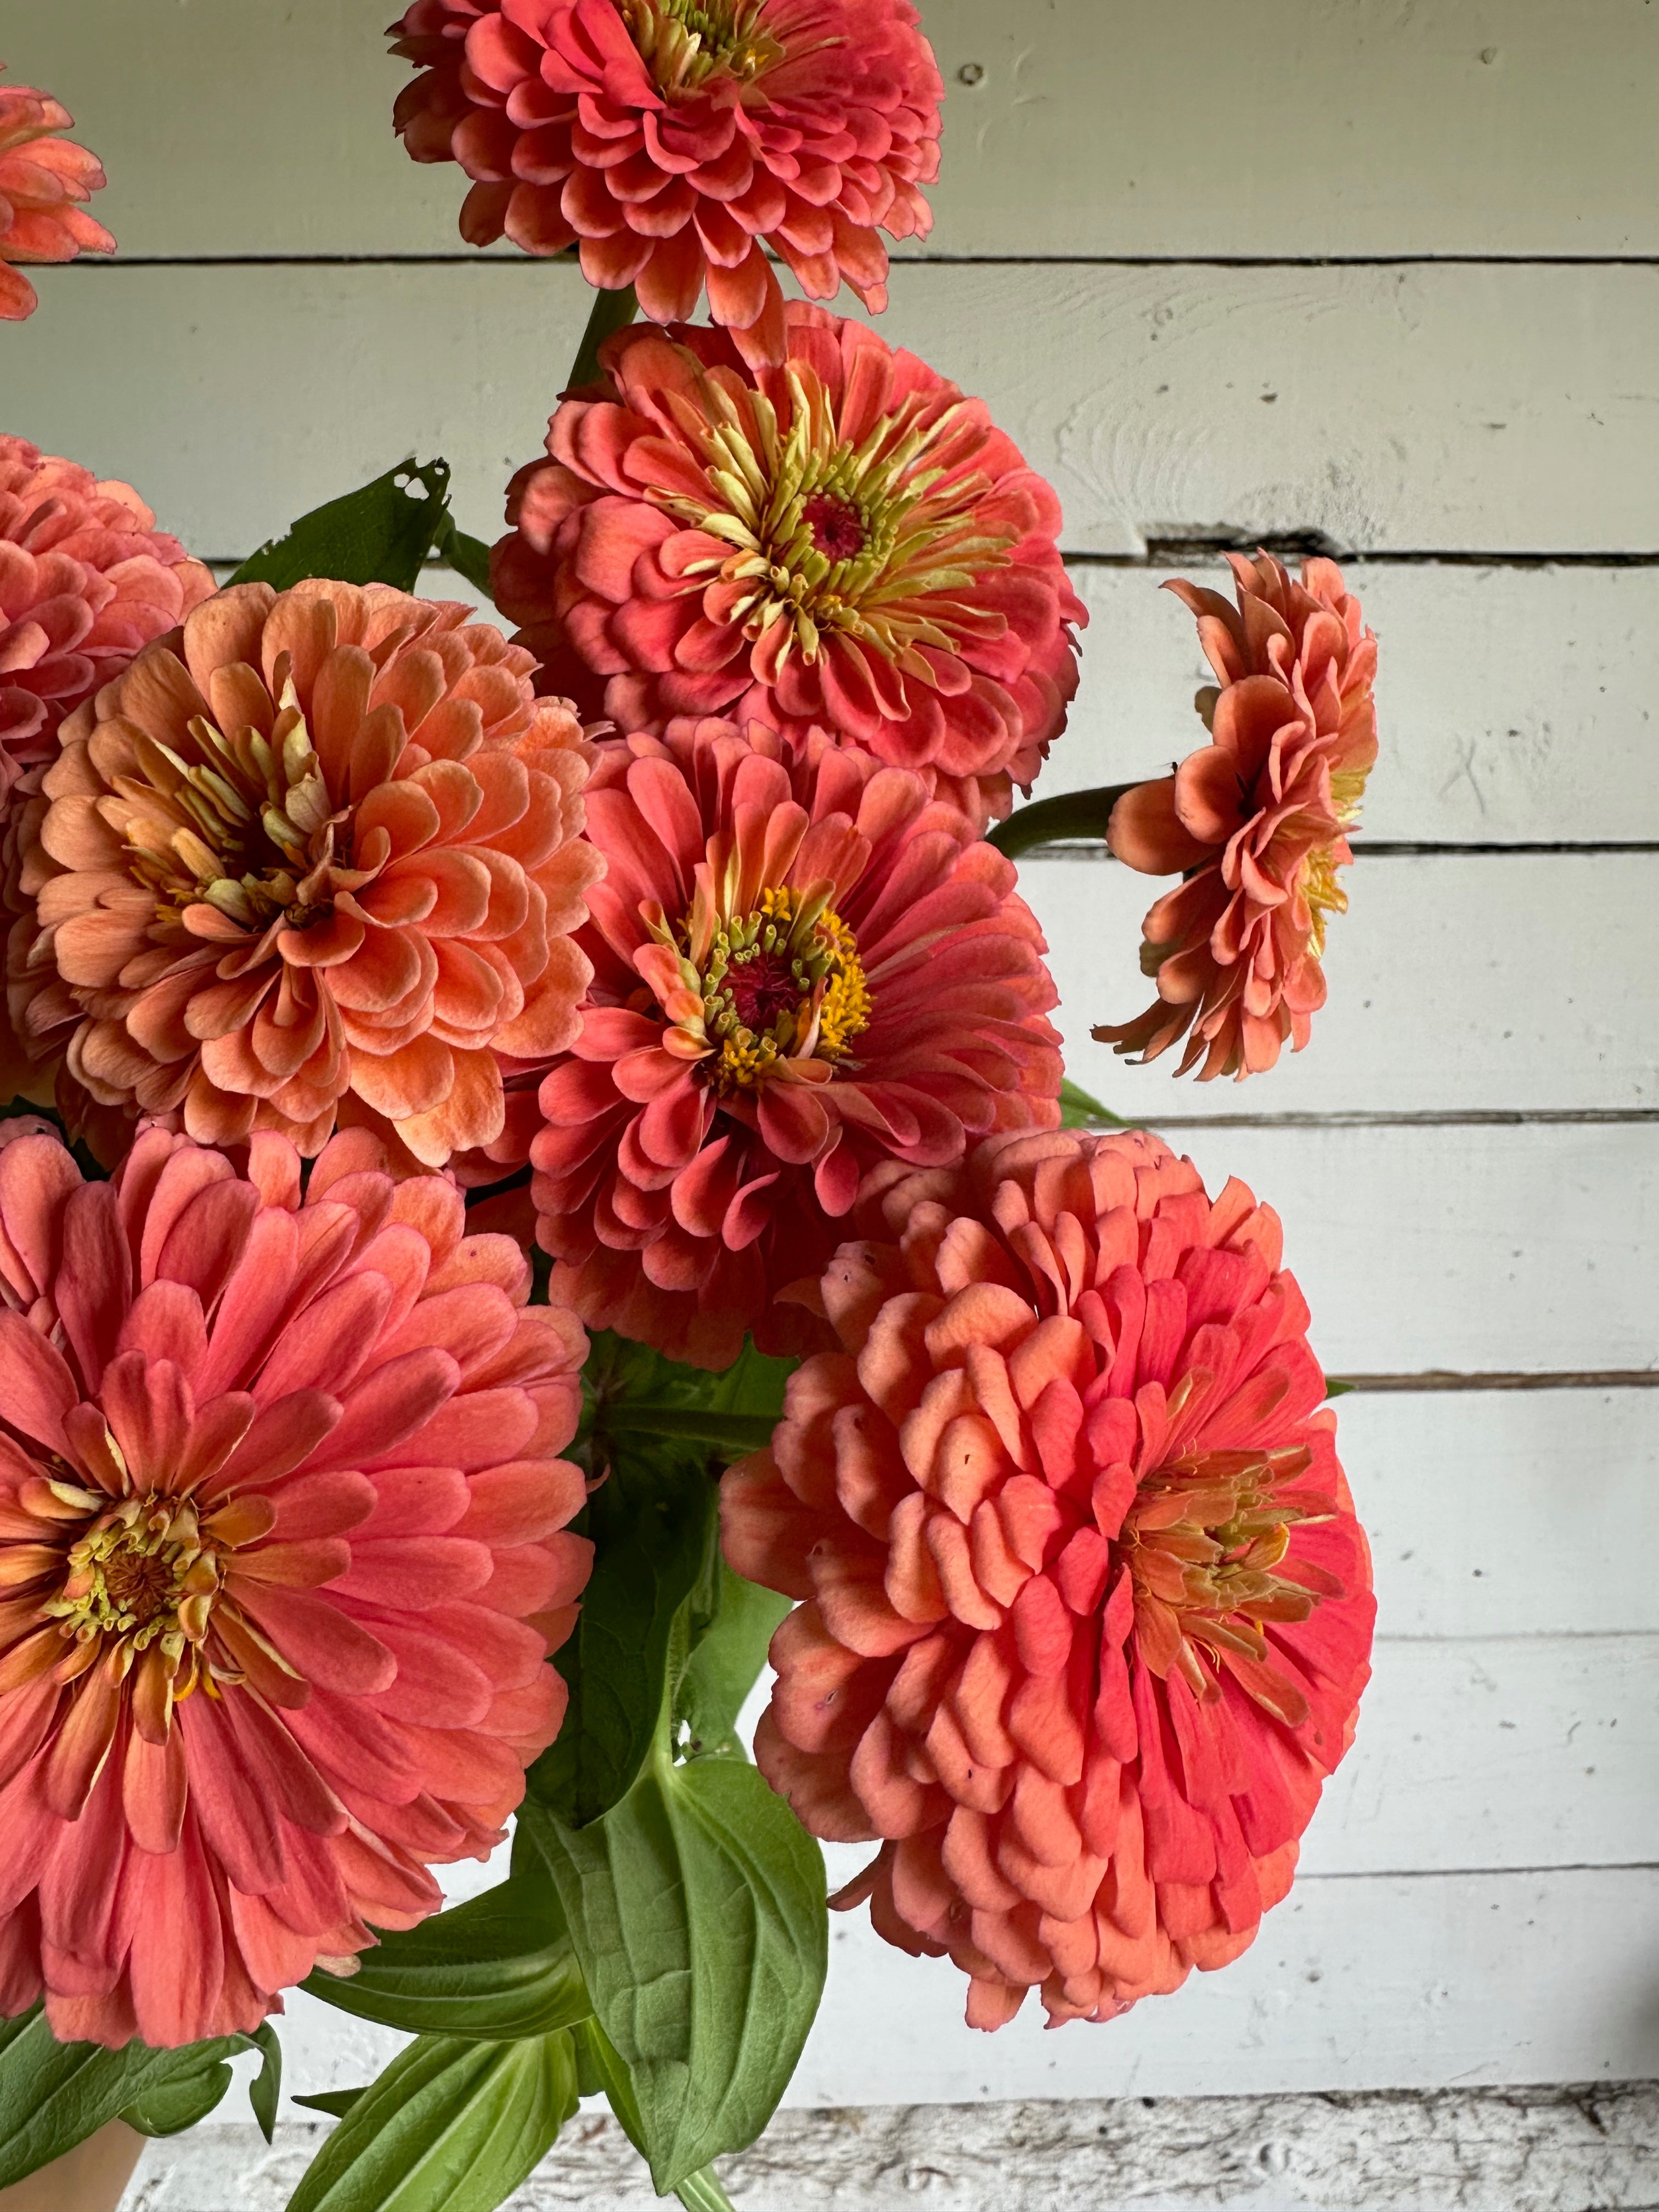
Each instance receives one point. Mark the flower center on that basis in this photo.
(837, 529)
(781, 982)
(881, 541)
(685, 43)
(1205, 1540)
(247, 826)
(141, 1574)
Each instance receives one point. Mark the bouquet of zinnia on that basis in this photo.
(539, 1177)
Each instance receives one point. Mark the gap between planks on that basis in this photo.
(1435, 1379)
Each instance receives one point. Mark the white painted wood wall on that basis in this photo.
(1385, 270)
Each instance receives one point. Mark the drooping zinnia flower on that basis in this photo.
(1257, 821)
(86, 581)
(802, 967)
(44, 181)
(675, 141)
(1087, 1611)
(845, 540)
(280, 1516)
(317, 859)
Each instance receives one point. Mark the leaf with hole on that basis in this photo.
(379, 534)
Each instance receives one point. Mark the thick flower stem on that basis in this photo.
(1064, 820)
(611, 310)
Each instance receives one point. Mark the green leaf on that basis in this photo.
(725, 1662)
(336, 2102)
(499, 1966)
(467, 557)
(697, 1909)
(266, 2087)
(179, 2098)
(1078, 1110)
(650, 1522)
(451, 2126)
(54, 2095)
(379, 534)
(1336, 1390)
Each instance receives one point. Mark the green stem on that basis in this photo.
(611, 310)
(1064, 820)
(733, 1433)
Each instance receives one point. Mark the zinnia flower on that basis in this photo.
(802, 968)
(1086, 1609)
(316, 859)
(43, 181)
(675, 140)
(279, 1493)
(846, 540)
(1256, 821)
(86, 581)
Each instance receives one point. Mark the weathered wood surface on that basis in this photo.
(1453, 2150)
(1336, 127)
(1425, 408)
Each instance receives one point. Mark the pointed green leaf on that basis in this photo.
(451, 2126)
(179, 2097)
(54, 2095)
(498, 1966)
(379, 534)
(1336, 1390)
(266, 2087)
(725, 1661)
(1078, 1110)
(337, 2103)
(697, 1909)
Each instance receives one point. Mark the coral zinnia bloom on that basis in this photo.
(279, 1491)
(315, 859)
(802, 967)
(846, 540)
(1256, 820)
(43, 180)
(86, 581)
(1087, 1611)
(675, 140)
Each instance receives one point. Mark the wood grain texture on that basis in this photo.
(1457, 128)
(1372, 1982)
(1452, 2150)
(1456, 982)
(1429, 408)
(1515, 705)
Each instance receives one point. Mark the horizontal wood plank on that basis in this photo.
(1503, 1513)
(1366, 129)
(1472, 1248)
(1455, 983)
(1381, 1981)
(1456, 2150)
(1420, 409)
(1515, 705)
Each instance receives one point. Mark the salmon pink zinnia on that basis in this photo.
(675, 141)
(846, 540)
(316, 859)
(280, 1516)
(1256, 821)
(802, 968)
(86, 581)
(43, 182)
(1087, 1611)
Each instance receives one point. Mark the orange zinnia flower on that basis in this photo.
(43, 180)
(316, 859)
(282, 1551)
(1086, 1610)
(1256, 822)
